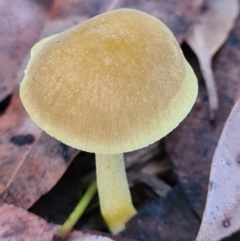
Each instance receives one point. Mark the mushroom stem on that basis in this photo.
(113, 190)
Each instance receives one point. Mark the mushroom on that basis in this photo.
(114, 84)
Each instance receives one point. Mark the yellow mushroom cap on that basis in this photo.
(116, 83)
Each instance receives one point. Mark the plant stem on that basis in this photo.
(65, 229)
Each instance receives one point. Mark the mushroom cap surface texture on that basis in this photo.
(114, 84)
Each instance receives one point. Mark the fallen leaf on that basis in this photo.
(21, 23)
(177, 15)
(191, 145)
(207, 35)
(221, 215)
(165, 219)
(31, 161)
(17, 225)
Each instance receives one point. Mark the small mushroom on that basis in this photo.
(114, 84)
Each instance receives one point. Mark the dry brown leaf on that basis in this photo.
(18, 225)
(31, 161)
(206, 37)
(21, 24)
(222, 211)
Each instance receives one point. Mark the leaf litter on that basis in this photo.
(196, 135)
(21, 25)
(207, 35)
(221, 215)
(31, 161)
(17, 224)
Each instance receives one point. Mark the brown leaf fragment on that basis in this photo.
(21, 23)
(177, 15)
(222, 211)
(164, 219)
(17, 225)
(31, 162)
(191, 145)
(207, 35)
(67, 14)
